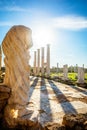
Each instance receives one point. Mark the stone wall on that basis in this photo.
(4, 95)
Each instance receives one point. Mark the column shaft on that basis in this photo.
(42, 62)
(48, 59)
(35, 62)
(38, 61)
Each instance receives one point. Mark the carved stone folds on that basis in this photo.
(16, 46)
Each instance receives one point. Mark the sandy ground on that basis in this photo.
(49, 101)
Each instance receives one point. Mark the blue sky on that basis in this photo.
(62, 23)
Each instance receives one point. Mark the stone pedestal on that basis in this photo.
(65, 72)
(16, 46)
(80, 75)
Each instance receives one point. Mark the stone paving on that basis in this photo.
(49, 101)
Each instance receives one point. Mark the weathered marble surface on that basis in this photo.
(80, 75)
(65, 72)
(16, 46)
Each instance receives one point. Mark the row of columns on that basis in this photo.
(36, 69)
(37, 56)
(72, 68)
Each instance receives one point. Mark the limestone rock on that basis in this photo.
(4, 96)
(16, 46)
(78, 127)
(69, 120)
(2, 105)
(1, 115)
(85, 125)
(54, 126)
(4, 88)
(75, 121)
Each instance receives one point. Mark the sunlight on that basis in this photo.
(43, 35)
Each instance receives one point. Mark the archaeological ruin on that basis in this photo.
(38, 101)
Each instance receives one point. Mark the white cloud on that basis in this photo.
(6, 24)
(15, 9)
(70, 22)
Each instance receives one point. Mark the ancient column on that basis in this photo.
(80, 75)
(16, 46)
(0, 57)
(71, 68)
(76, 68)
(57, 68)
(65, 72)
(83, 66)
(48, 59)
(42, 61)
(34, 70)
(38, 61)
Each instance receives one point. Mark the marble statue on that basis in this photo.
(16, 46)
